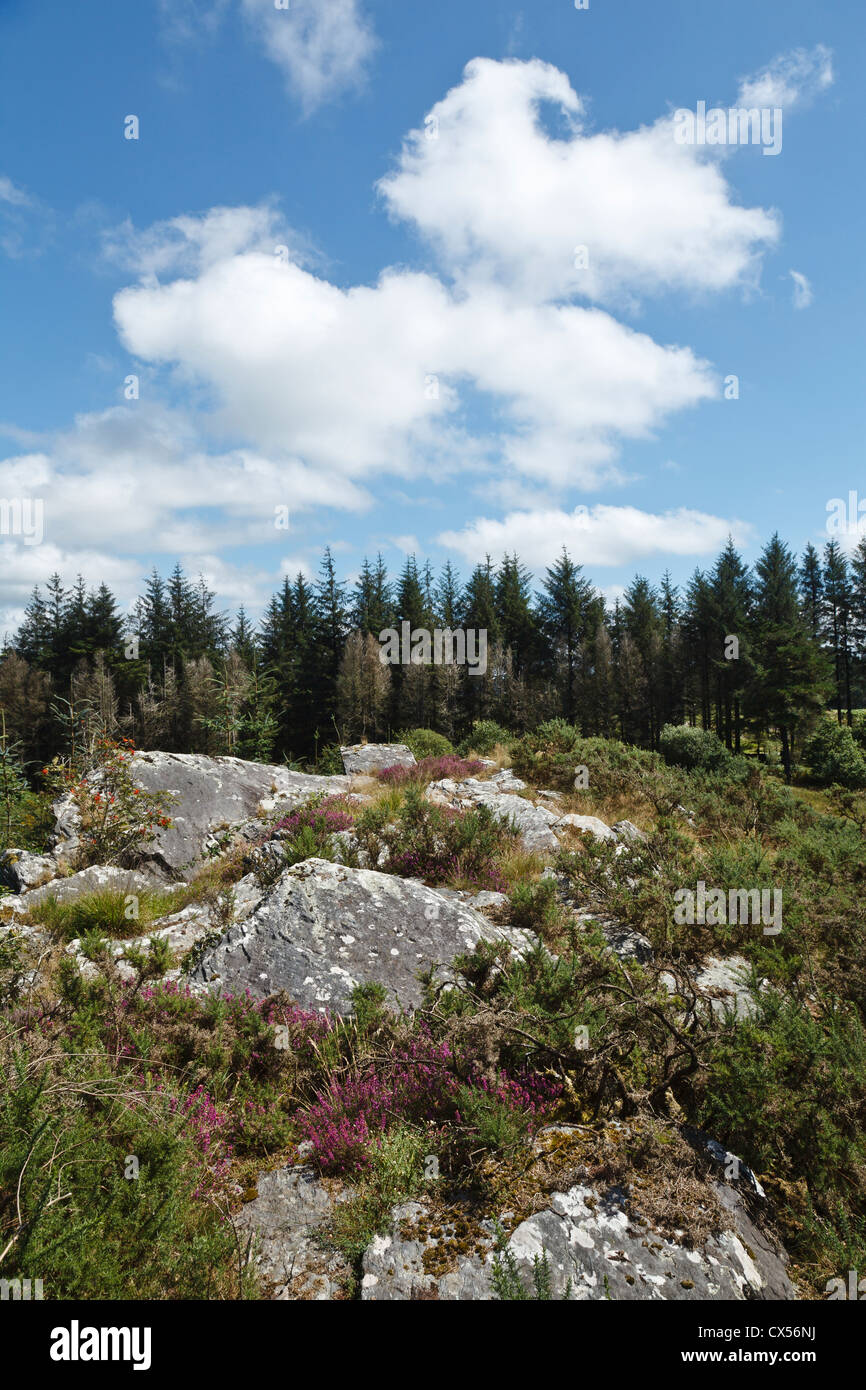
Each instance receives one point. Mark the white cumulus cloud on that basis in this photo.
(597, 214)
(602, 535)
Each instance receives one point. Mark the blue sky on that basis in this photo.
(340, 260)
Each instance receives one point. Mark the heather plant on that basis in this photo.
(431, 769)
(115, 818)
(305, 833)
(395, 1173)
(438, 844)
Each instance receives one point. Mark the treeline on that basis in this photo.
(749, 653)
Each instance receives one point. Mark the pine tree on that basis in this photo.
(836, 608)
(517, 625)
(730, 602)
(790, 681)
(569, 612)
(811, 587)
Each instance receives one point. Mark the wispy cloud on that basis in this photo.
(26, 224)
(322, 46)
(803, 295)
(791, 79)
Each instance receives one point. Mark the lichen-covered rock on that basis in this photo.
(725, 982)
(628, 832)
(98, 878)
(324, 928)
(20, 870)
(211, 795)
(369, 757)
(534, 822)
(594, 1246)
(281, 1223)
(587, 825)
(181, 931)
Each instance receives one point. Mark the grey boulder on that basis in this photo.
(533, 822)
(324, 928)
(279, 1228)
(211, 797)
(370, 757)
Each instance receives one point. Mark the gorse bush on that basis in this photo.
(426, 743)
(833, 754)
(685, 745)
(612, 767)
(485, 735)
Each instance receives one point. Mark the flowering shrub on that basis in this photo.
(419, 1083)
(302, 834)
(323, 816)
(430, 770)
(439, 844)
(115, 818)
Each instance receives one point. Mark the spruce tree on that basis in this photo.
(790, 681)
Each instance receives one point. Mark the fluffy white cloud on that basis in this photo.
(791, 79)
(595, 536)
(131, 478)
(803, 294)
(322, 47)
(366, 379)
(502, 198)
(191, 243)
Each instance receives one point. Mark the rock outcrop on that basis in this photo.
(534, 822)
(211, 796)
(370, 757)
(282, 1224)
(324, 928)
(594, 1244)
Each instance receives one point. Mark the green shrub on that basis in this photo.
(436, 843)
(534, 907)
(426, 743)
(833, 756)
(484, 737)
(329, 762)
(684, 745)
(105, 1189)
(549, 756)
